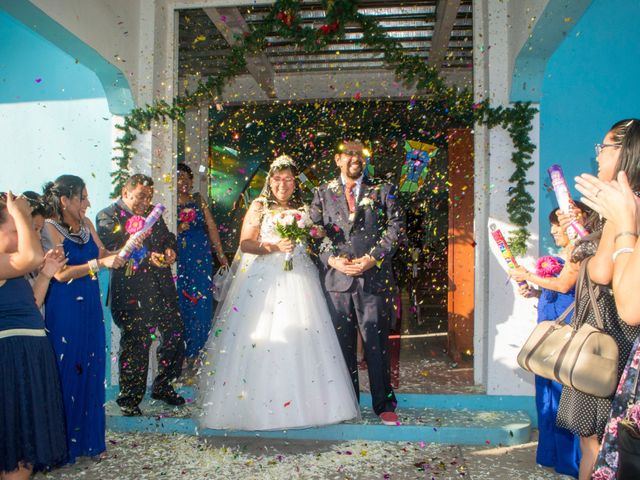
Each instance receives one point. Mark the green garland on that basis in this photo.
(284, 20)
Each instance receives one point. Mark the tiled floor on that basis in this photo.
(425, 367)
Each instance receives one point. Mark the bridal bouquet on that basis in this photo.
(295, 225)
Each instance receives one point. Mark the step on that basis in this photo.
(444, 424)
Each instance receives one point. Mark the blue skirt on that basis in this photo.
(31, 409)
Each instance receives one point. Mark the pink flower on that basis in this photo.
(633, 414)
(548, 266)
(635, 362)
(603, 473)
(187, 215)
(612, 427)
(134, 224)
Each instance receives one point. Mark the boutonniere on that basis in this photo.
(335, 187)
(366, 202)
(327, 246)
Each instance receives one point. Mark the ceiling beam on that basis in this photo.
(232, 25)
(446, 13)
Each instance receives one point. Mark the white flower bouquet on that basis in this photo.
(295, 225)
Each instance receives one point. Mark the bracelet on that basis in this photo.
(93, 267)
(624, 234)
(621, 251)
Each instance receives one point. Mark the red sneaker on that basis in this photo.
(389, 418)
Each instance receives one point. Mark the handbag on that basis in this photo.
(577, 355)
(629, 444)
(219, 280)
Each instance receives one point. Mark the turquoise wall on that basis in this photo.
(591, 81)
(54, 116)
(54, 119)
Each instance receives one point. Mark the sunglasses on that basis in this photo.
(602, 146)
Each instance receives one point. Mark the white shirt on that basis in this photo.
(356, 190)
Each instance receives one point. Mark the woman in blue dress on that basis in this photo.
(558, 448)
(32, 430)
(73, 314)
(197, 233)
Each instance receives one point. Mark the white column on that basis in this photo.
(503, 319)
(196, 145)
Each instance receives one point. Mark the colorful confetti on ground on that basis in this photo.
(152, 456)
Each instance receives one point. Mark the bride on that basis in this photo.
(273, 360)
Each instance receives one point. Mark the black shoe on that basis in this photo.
(131, 411)
(172, 398)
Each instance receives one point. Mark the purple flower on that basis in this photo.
(612, 459)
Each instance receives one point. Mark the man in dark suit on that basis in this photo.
(364, 225)
(143, 298)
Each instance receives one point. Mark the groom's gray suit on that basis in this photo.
(366, 301)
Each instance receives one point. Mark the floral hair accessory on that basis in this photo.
(134, 224)
(283, 161)
(548, 266)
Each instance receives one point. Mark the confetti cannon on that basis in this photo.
(149, 222)
(563, 197)
(503, 246)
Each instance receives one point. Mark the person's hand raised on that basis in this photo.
(17, 205)
(613, 200)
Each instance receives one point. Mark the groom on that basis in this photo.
(364, 226)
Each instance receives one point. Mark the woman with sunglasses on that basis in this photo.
(583, 414)
(617, 201)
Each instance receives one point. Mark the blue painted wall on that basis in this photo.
(54, 119)
(54, 116)
(591, 81)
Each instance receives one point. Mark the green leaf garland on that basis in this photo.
(284, 20)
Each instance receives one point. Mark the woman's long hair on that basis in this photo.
(64, 186)
(626, 133)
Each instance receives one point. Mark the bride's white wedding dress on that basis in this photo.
(273, 360)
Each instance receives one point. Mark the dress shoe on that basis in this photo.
(389, 418)
(131, 411)
(171, 398)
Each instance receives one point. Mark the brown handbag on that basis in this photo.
(577, 355)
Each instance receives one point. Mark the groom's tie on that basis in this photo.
(351, 199)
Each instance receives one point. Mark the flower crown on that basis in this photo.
(283, 161)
